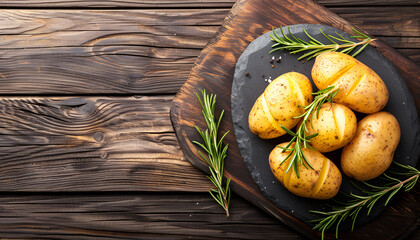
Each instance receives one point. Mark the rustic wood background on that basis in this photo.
(87, 149)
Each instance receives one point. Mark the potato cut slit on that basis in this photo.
(322, 176)
(354, 86)
(337, 76)
(340, 121)
(297, 91)
(269, 115)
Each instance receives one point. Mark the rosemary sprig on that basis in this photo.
(300, 139)
(314, 47)
(215, 151)
(372, 193)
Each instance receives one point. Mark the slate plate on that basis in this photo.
(245, 90)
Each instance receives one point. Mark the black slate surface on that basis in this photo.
(246, 88)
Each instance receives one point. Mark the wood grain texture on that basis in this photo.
(84, 52)
(412, 53)
(133, 216)
(214, 70)
(369, 3)
(131, 51)
(376, 20)
(92, 144)
(179, 3)
(117, 3)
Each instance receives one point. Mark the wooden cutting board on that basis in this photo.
(214, 71)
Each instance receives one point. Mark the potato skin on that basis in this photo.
(279, 104)
(322, 182)
(372, 149)
(336, 126)
(361, 89)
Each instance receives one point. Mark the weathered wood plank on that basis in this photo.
(92, 144)
(345, 3)
(116, 69)
(119, 52)
(384, 21)
(117, 3)
(33, 22)
(134, 216)
(59, 52)
(402, 42)
(180, 3)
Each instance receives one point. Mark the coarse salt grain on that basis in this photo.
(268, 80)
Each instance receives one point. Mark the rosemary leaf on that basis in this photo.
(354, 203)
(311, 136)
(360, 50)
(315, 47)
(288, 131)
(215, 150)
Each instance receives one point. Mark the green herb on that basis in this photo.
(299, 138)
(215, 151)
(315, 47)
(372, 193)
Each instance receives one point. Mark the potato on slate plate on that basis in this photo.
(335, 124)
(279, 105)
(321, 182)
(361, 89)
(371, 151)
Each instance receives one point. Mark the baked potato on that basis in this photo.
(361, 89)
(336, 125)
(279, 104)
(321, 182)
(372, 149)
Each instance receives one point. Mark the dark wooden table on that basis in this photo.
(87, 149)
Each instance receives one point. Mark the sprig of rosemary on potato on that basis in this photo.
(299, 138)
(315, 47)
(354, 203)
(215, 151)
